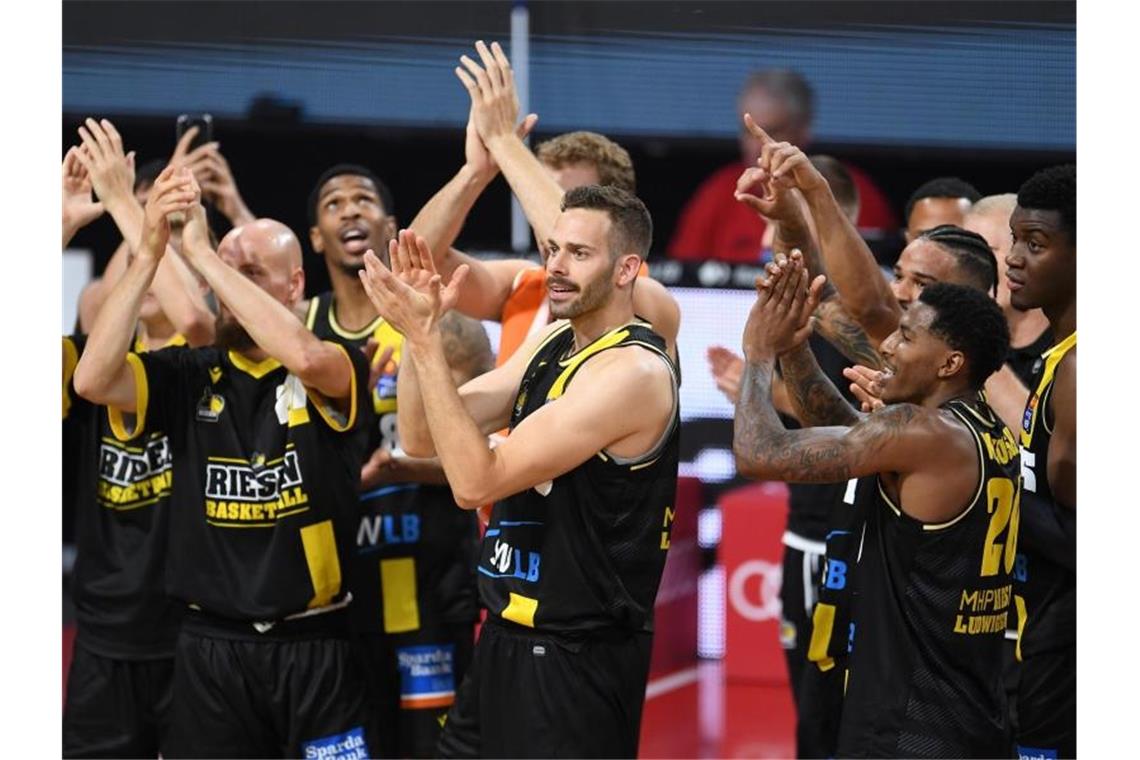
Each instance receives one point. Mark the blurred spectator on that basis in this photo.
(943, 200)
(713, 225)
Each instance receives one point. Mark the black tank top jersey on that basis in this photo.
(121, 493)
(413, 562)
(1046, 592)
(585, 551)
(265, 472)
(925, 669)
(810, 504)
(1025, 361)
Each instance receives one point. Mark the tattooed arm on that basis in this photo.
(890, 440)
(832, 322)
(814, 399)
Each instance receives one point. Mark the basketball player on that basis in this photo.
(267, 432)
(412, 574)
(119, 686)
(1043, 274)
(583, 489)
(938, 545)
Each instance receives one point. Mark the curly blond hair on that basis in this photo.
(610, 159)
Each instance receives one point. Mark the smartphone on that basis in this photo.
(205, 124)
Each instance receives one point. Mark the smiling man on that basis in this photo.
(936, 472)
(584, 485)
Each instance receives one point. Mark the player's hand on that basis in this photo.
(781, 317)
(783, 164)
(478, 159)
(494, 99)
(411, 295)
(79, 207)
(219, 187)
(771, 200)
(376, 364)
(866, 386)
(727, 367)
(111, 171)
(174, 191)
(377, 469)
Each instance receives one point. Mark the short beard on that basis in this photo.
(230, 335)
(592, 297)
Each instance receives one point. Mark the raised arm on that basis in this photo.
(814, 399)
(79, 209)
(495, 109)
(488, 397)
(850, 265)
(214, 176)
(104, 374)
(112, 176)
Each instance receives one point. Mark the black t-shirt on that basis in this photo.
(586, 550)
(413, 564)
(265, 474)
(120, 492)
(925, 669)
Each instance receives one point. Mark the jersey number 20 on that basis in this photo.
(1003, 502)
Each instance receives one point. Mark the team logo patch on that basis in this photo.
(347, 746)
(1030, 408)
(210, 406)
(1033, 753)
(427, 676)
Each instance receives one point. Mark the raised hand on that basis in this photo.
(494, 99)
(111, 171)
(411, 295)
(79, 208)
(213, 174)
(865, 386)
(726, 367)
(174, 191)
(775, 202)
(783, 164)
(781, 317)
(475, 153)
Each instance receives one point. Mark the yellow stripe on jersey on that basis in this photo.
(822, 623)
(298, 417)
(1034, 408)
(70, 359)
(398, 589)
(256, 369)
(331, 415)
(351, 334)
(1022, 618)
(520, 609)
(142, 395)
(324, 567)
(570, 365)
(311, 314)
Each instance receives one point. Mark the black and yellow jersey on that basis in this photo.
(832, 622)
(586, 550)
(265, 474)
(925, 668)
(1046, 586)
(120, 491)
(415, 550)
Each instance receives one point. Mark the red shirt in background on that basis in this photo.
(714, 225)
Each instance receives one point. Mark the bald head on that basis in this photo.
(267, 252)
